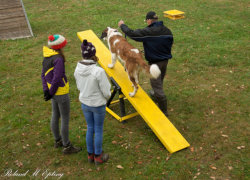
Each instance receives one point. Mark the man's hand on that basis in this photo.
(120, 23)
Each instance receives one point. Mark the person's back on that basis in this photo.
(157, 42)
(88, 79)
(94, 87)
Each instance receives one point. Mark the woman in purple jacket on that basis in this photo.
(56, 88)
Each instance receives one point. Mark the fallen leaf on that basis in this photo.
(119, 167)
(98, 169)
(213, 167)
(18, 163)
(139, 162)
(212, 177)
(240, 147)
(90, 170)
(192, 149)
(224, 135)
(217, 157)
(230, 168)
(158, 157)
(114, 142)
(38, 144)
(167, 158)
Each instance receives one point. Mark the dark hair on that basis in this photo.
(61, 53)
(95, 58)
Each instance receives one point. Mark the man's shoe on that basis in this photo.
(101, 159)
(70, 149)
(58, 143)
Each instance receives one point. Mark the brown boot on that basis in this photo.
(91, 158)
(101, 158)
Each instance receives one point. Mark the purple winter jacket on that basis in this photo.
(53, 73)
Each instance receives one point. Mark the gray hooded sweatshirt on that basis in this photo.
(93, 84)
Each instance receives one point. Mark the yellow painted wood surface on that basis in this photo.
(174, 14)
(149, 111)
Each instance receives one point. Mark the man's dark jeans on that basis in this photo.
(157, 86)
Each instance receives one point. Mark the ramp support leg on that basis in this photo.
(123, 117)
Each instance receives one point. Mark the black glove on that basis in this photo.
(47, 96)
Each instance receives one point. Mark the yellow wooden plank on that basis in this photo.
(129, 116)
(174, 17)
(113, 114)
(152, 115)
(174, 12)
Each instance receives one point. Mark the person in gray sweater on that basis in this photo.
(94, 87)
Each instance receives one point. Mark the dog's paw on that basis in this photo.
(131, 94)
(110, 66)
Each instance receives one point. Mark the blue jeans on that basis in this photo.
(94, 117)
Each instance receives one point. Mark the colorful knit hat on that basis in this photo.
(56, 41)
(88, 49)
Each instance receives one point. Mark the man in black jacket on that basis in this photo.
(157, 42)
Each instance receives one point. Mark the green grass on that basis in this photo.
(207, 86)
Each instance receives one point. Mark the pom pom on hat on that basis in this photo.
(88, 49)
(51, 38)
(56, 41)
(85, 42)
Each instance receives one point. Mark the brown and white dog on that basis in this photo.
(130, 56)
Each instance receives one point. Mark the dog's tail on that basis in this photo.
(153, 70)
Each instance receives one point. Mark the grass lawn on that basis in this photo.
(207, 86)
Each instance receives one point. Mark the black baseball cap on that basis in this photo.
(151, 15)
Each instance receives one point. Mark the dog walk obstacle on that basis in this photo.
(14, 22)
(149, 111)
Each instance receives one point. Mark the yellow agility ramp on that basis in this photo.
(152, 115)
